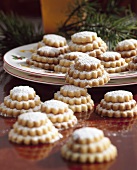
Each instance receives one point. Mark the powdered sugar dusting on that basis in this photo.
(50, 49)
(112, 54)
(54, 37)
(118, 93)
(22, 90)
(84, 34)
(88, 60)
(33, 116)
(55, 104)
(71, 88)
(87, 133)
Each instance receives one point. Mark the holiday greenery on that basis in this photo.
(112, 22)
(16, 31)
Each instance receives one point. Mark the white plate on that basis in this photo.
(16, 58)
(32, 77)
(61, 81)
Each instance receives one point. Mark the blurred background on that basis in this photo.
(32, 7)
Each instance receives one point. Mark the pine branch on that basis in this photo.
(16, 31)
(112, 24)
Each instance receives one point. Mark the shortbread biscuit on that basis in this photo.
(88, 145)
(109, 56)
(126, 45)
(128, 54)
(45, 66)
(94, 147)
(72, 100)
(8, 112)
(72, 91)
(112, 113)
(66, 60)
(54, 40)
(85, 74)
(21, 99)
(112, 62)
(22, 93)
(59, 113)
(119, 103)
(76, 104)
(97, 52)
(22, 104)
(87, 63)
(54, 107)
(43, 59)
(96, 44)
(118, 96)
(87, 83)
(31, 119)
(132, 65)
(48, 51)
(118, 106)
(34, 133)
(66, 125)
(84, 37)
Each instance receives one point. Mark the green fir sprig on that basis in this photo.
(112, 22)
(16, 31)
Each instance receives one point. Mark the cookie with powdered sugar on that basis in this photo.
(76, 97)
(33, 128)
(119, 103)
(21, 99)
(59, 113)
(113, 62)
(54, 40)
(84, 37)
(88, 145)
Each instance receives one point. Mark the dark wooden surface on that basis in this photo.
(122, 132)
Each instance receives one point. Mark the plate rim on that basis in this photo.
(58, 75)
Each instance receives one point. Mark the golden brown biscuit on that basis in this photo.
(34, 133)
(87, 63)
(21, 99)
(118, 96)
(88, 145)
(59, 113)
(77, 98)
(126, 45)
(72, 91)
(54, 40)
(132, 65)
(117, 104)
(54, 107)
(48, 51)
(22, 93)
(84, 37)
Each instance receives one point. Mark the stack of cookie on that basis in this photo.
(88, 145)
(46, 56)
(33, 128)
(119, 103)
(66, 60)
(113, 62)
(87, 72)
(59, 113)
(127, 48)
(132, 65)
(87, 41)
(76, 97)
(21, 99)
